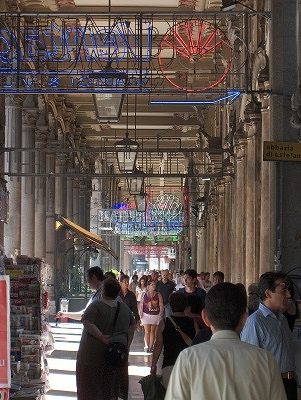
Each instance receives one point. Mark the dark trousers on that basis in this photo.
(290, 386)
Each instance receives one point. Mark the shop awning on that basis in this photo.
(88, 236)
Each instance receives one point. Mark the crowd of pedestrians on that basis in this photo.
(219, 340)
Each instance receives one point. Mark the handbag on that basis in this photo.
(152, 387)
(185, 337)
(116, 353)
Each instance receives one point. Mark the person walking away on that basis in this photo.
(151, 312)
(268, 328)
(174, 334)
(224, 368)
(96, 378)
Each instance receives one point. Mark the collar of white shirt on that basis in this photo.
(225, 334)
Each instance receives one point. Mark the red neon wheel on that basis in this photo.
(195, 55)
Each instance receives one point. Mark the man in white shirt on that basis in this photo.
(224, 368)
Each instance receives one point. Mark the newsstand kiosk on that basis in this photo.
(5, 373)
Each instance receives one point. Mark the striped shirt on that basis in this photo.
(271, 332)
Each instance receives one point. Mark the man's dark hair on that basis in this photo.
(219, 275)
(225, 304)
(178, 301)
(97, 272)
(111, 288)
(191, 272)
(268, 281)
(110, 274)
(124, 277)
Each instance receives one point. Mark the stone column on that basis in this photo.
(40, 188)
(2, 156)
(201, 249)
(211, 265)
(29, 118)
(227, 228)
(267, 206)
(13, 135)
(238, 266)
(69, 196)
(50, 203)
(220, 225)
(82, 204)
(60, 188)
(252, 129)
(75, 191)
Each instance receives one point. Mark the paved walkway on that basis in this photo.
(62, 363)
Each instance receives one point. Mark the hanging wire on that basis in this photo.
(127, 112)
(135, 117)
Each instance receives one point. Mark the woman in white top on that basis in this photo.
(140, 289)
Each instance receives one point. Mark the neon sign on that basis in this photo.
(65, 55)
(49, 53)
(58, 44)
(130, 222)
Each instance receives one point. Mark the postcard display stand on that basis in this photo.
(29, 329)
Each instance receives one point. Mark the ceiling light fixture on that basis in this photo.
(140, 200)
(108, 103)
(136, 182)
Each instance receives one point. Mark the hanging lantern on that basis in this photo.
(136, 182)
(108, 103)
(140, 200)
(126, 151)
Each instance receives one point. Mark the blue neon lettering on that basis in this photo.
(54, 44)
(8, 44)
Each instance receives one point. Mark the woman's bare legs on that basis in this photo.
(147, 332)
(153, 331)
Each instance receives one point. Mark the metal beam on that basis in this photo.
(159, 151)
(119, 175)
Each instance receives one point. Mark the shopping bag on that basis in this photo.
(152, 388)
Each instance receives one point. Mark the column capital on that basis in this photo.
(240, 149)
(65, 3)
(29, 116)
(41, 135)
(14, 100)
(252, 125)
(12, 5)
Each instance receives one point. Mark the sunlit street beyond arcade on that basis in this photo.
(62, 363)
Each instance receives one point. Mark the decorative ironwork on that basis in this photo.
(198, 45)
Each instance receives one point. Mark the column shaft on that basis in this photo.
(267, 210)
(13, 135)
(29, 116)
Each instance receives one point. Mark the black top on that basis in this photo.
(130, 300)
(198, 292)
(165, 289)
(173, 342)
(291, 319)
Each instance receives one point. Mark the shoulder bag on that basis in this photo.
(116, 353)
(185, 337)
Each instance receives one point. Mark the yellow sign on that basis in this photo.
(281, 151)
